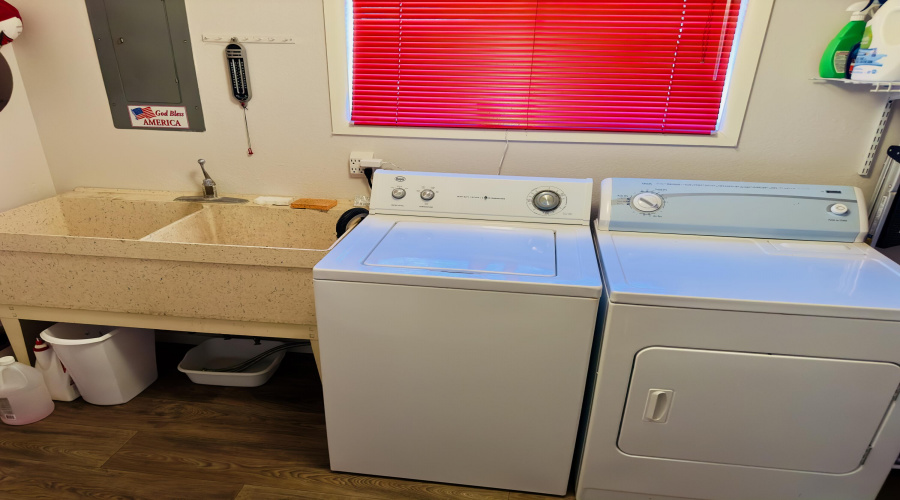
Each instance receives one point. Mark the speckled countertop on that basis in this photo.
(151, 225)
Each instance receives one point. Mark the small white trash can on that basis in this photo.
(109, 365)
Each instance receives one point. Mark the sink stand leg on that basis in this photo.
(314, 344)
(17, 339)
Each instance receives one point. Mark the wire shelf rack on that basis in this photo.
(875, 86)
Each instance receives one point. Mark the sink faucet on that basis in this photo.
(209, 185)
(210, 192)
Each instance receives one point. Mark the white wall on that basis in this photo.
(795, 130)
(24, 175)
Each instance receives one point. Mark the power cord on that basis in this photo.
(500, 167)
(370, 171)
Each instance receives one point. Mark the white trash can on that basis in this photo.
(109, 365)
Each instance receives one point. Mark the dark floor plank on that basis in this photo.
(27, 480)
(517, 495)
(891, 488)
(183, 417)
(278, 462)
(264, 453)
(50, 440)
(251, 492)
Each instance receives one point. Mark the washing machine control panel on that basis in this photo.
(490, 197)
(742, 209)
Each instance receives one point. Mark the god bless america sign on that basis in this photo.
(150, 116)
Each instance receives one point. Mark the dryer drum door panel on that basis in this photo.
(760, 410)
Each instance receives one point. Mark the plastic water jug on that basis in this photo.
(23, 396)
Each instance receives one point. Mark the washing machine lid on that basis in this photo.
(834, 279)
(467, 249)
(480, 255)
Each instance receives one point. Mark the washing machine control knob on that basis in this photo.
(398, 193)
(427, 194)
(840, 209)
(647, 202)
(546, 200)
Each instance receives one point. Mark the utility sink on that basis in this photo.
(252, 226)
(141, 252)
(94, 217)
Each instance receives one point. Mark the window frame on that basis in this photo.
(754, 21)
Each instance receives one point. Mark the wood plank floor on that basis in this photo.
(179, 440)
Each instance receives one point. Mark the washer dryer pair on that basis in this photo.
(750, 346)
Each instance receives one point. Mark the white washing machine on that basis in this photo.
(455, 326)
(749, 354)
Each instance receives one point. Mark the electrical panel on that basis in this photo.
(145, 55)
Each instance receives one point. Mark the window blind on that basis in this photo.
(655, 66)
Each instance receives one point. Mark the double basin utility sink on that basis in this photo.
(141, 252)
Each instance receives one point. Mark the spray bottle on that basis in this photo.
(838, 56)
(56, 377)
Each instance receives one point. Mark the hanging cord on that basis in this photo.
(721, 39)
(369, 171)
(243, 365)
(247, 127)
(500, 167)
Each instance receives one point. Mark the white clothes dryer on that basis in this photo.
(750, 347)
(455, 326)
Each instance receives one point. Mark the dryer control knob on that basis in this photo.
(398, 193)
(427, 194)
(647, 202)
(840, 209)
(546, 200)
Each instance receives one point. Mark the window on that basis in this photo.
(655, 71)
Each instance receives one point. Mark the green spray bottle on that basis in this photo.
(836, 60)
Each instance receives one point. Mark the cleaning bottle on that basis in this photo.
(836, 60)
(23, 396)
(57, 379)
(878, 59)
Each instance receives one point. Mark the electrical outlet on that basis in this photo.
(356, 158)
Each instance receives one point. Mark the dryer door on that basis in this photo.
(783, 412)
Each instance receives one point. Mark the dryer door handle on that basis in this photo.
(659, 401)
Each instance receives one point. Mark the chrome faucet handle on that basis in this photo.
(209, 185)
(202, 163)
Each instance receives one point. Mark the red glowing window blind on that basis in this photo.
(656, 66)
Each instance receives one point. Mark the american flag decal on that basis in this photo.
(141, 113)
(157, 116)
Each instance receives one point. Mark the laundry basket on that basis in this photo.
(109, 365)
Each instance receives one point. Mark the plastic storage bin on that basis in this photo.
(221, 353)
(109, 365)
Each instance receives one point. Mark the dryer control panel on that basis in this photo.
(489, 197)
(742, 209)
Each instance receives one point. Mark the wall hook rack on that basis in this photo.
(277, 39)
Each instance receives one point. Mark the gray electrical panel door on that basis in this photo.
(145, 56)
